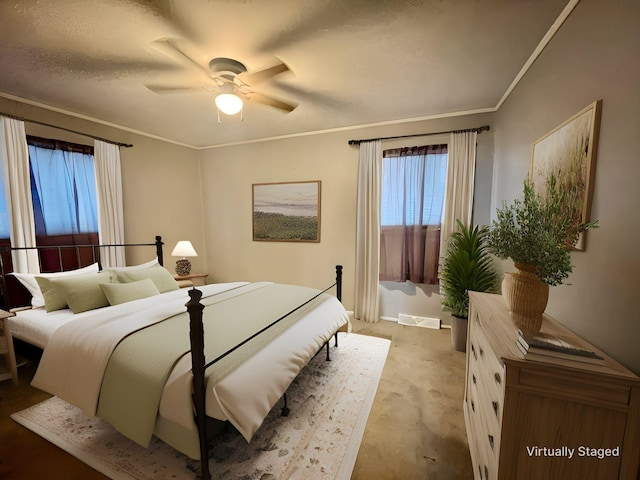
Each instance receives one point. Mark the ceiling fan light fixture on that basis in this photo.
(229, 103)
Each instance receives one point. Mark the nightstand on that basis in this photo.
(8, 367)
(191, 280)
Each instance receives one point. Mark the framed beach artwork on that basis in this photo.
(286, 212)
(566, 157)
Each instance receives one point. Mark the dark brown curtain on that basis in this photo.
(412, 197)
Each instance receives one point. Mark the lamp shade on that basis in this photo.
(184, 249)
(229, 103)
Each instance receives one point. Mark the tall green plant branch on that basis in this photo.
(538, 231)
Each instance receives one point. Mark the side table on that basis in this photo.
(191, 280)
(8, 367)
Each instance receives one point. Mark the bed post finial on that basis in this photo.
(195, 308)
(339, 282)
(159, 244)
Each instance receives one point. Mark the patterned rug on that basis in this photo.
(329, 402)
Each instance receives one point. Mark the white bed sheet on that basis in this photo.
(35, 325)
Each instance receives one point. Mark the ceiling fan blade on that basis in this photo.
(271, 102)
(171, 47)
(317, 98)
(170, 89)
(254, 78)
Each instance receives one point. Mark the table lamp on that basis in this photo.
(183, 249)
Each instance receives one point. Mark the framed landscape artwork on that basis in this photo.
(567, 155)
(286, 212)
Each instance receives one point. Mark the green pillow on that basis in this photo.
(83, 292)
(52, 299)
(118, 293)
(161, 277)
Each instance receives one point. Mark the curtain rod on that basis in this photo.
(477, 130)
(15, 117)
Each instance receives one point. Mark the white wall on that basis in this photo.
(227, 178)
(595, 55)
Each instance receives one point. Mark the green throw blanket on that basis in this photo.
(141, 363)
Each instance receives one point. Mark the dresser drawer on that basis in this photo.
(483, 444)
(489, 374)
(485, 394)
(492, 366)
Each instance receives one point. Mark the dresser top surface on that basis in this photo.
(502, 334)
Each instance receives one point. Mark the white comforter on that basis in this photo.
(76, 356)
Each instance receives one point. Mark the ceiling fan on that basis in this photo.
(226, 76)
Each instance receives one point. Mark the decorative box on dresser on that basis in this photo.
(555, 419)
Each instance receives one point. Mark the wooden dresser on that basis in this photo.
(557, 419)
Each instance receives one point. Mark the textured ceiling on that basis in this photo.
(355, 62)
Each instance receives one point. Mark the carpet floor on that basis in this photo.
(329, 402)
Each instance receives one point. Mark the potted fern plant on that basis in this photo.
(467, 266)
(537, 233)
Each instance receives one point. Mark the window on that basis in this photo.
(412, 201)
(413, 182)
(63, 189)
(4, 217)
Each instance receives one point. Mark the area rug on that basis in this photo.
(329, 403)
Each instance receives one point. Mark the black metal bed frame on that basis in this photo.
(199, 363)
(195, 309)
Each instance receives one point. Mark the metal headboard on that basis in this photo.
(81, 255)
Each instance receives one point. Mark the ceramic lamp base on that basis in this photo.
(183, 267)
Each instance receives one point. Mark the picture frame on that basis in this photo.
(568, 152)
(286, 211)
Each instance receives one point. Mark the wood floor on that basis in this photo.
(415, 430)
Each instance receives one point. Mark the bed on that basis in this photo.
(178, 363)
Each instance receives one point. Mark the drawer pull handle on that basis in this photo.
(491, 442)
(486, 472)
(498, 378)
(481, 352)
(495, 407)
(473, 406)
(473, 379)
(473, 350)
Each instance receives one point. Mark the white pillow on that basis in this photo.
(148, 264)
(30, 283)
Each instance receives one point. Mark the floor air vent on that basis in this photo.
(416, 321)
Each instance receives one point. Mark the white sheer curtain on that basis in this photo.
(110, 208)
(65, 182)
(368, 232)
(14, 156)
(461, 170)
